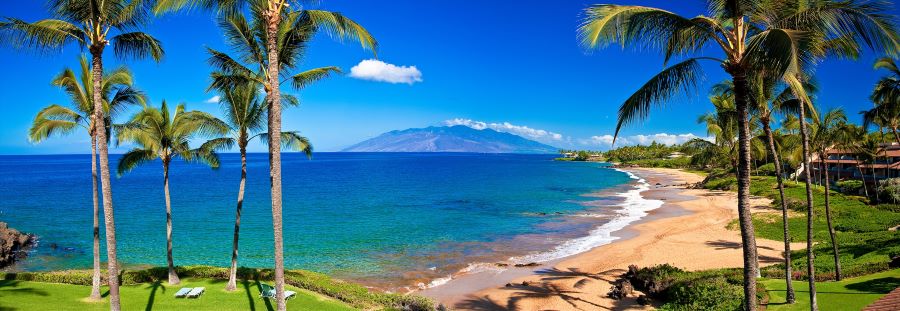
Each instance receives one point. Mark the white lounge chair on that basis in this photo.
(196, 292)
(269, 292)
(183, 292)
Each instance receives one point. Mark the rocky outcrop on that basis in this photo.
(13, 245)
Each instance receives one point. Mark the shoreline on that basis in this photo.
(688, 230)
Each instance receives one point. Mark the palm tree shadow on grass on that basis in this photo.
(266, 300)
(251, 303)
(5, 284)
(153, 288)
(880, 285)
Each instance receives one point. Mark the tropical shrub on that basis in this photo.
(682, 290)
(889, 190)
(766, 170)
(849, 187)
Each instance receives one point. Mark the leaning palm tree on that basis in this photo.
(282, 29)
(245, 114)
(94, 24)
(825, 134)
(161, 135)
(777, 38)
(55, 119)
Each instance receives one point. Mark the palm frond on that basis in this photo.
(134, 158)
(643, 27)
(338, 26)
(46, 35)
(304, 79)
(137, 45)
(291, 141)
(683, 76)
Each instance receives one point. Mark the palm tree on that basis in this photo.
(245, 115)
(886, 97)
(161, 135)
(722, 124)
(56, 119)
(282, 30)
(853, 138)
(777, 38)
(93, 24)
(825, 133)
(768, 101)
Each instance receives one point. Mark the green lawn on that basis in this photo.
(26, 295)
(849, 294)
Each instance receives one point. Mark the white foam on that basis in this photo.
(633, 209)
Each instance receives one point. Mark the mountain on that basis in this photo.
(457, 138)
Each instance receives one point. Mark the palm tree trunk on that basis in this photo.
(173, 276)
(95, 282)
(106, 187)
(863, 177)
(896, 135)
(810, 255)
(834, 246)
(748, 238)
(784, 214)
(232, 276)
(273, 19)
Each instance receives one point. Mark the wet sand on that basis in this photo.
(688, 231)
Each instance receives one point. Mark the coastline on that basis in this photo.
(688, 230)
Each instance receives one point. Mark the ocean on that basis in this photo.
(391, 220)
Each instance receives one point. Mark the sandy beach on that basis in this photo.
(689, 231)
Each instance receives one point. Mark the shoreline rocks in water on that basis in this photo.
(13, 245)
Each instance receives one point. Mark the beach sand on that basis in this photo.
(688, 231)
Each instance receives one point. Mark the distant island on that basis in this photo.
(457, 138)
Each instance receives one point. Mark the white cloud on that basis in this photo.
(662, 138)
(376, 70)
(521, 130)
(213, 100)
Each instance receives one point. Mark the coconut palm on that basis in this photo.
(94, 24)
(245, 114)
(886, 97)
(282, 29)
(777, 38)
(161, 135)
(60, 120)
(722, 124)
(825, 133)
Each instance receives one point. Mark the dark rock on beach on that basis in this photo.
(530, 264)
(13, 245)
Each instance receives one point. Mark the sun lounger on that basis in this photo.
(196, 292)
(183, 292)
(269, 292)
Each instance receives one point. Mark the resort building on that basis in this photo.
(845, 164)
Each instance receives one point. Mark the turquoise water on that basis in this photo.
(355, 215)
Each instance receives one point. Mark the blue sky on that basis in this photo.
(487, 64)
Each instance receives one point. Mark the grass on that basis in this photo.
(849, 294)
(29, 295)
(864, 242)
(351, 294)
